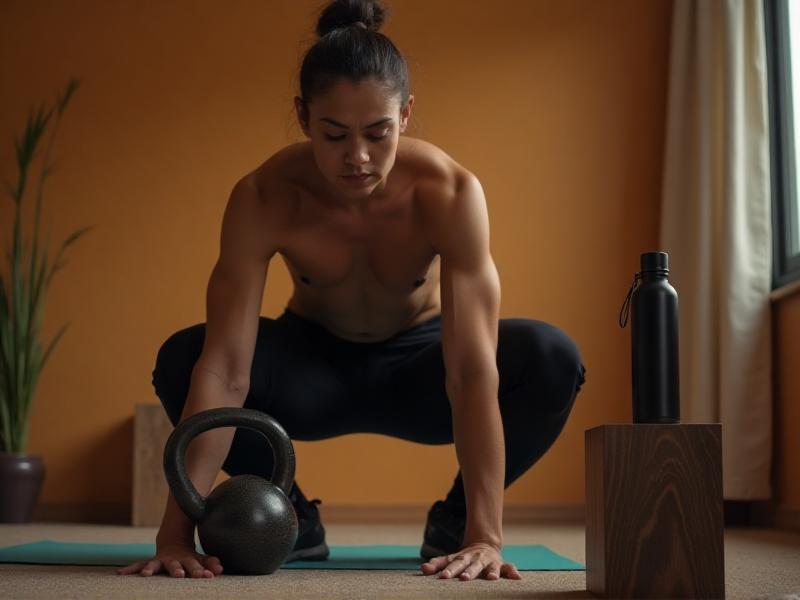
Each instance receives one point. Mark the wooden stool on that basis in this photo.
(151, 428)
(654, 519)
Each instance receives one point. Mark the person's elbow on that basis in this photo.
(476, 381)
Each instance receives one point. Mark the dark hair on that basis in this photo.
(351, 46)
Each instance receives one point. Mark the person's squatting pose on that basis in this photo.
(393, 324)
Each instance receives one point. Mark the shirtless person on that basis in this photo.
(393, 326)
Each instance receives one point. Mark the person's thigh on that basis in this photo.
(292, 379)
(304, 384)
(410, 400)
(541, 358)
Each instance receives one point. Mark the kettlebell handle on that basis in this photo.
(186, 495)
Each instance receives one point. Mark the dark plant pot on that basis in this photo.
(21, 477)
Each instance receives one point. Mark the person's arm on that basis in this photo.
(205, 454)
(470, 292)
(221, 375)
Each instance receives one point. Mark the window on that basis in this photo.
(782, 21)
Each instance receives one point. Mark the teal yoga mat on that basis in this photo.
(382, 556)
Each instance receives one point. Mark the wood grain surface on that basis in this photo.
(654, 511)
(151, 428)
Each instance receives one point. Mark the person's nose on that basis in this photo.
(357, 153)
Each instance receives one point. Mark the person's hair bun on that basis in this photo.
(345, 13)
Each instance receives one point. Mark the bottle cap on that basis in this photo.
(655, 261)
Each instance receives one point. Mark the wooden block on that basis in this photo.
(654, 520)
(151, 428)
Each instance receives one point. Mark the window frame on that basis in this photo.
(785, 267)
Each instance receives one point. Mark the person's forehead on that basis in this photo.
(360, 103)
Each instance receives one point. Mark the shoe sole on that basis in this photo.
(319, 552)
(428, 552)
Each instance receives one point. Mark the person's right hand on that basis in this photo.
(177, 560)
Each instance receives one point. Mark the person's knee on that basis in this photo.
(553, 361)
(172, 373)
(564, 356)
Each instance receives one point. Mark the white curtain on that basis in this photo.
(716, 227)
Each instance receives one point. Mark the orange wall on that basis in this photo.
(557, 106)
(786, 344)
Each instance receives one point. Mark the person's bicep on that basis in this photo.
(470, 287)
(236, 287)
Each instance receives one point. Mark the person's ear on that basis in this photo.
(405, 113)
(302, 114)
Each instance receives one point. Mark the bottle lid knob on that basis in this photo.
(655, 261)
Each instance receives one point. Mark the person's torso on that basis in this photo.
(363, 274)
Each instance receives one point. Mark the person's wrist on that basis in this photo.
(174, 539)
(493, 541)
(174, 543)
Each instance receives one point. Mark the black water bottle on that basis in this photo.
(654, 342)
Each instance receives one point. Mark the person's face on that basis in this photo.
(354, 128)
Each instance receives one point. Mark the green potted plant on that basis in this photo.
(24, 281)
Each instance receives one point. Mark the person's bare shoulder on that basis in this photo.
(275, 183)
(430, 163)
(439, 179)
(278, 173)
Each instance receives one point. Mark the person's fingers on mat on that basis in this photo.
(134, 568)
(428, 567)
(460, 569)
(435, 564)
(510, 571)
(212, 564)
(174, 568)
(455, 567)
(473, 570)
(192, 567)
(493, 571)
(152, 566)
(195, 569)
(474, 560)
(200, 573)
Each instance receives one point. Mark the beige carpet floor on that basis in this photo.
(759, 563)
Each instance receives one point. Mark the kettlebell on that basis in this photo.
(246, 521)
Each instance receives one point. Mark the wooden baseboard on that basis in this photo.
(120, 514)
(96, 514)
(787, 518)
(769, 514)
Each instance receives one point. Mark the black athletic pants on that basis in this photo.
(317, 386)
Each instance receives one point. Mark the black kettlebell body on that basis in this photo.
(247, 521)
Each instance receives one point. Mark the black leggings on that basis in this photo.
(318, 386)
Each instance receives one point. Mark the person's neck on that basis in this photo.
(331, 196)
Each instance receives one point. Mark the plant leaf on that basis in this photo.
(52, 344)
(72, 85)
(22, 292)
(75, 235)
(26, 145)
(57, 266)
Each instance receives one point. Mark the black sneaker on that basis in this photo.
(310, 543)
(444, 530)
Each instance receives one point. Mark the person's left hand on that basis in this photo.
(473, 560)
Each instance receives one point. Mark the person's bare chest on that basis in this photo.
(382, 251)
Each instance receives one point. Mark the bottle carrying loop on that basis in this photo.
(627, 304)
